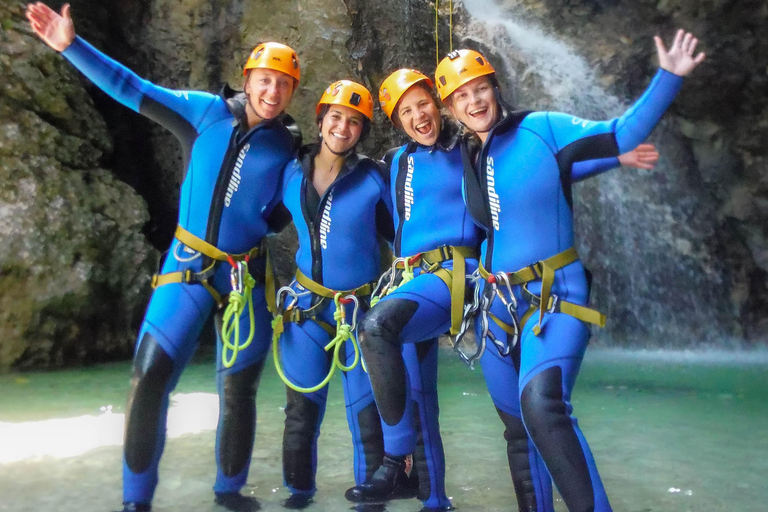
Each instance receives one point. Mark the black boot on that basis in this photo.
(298, 501)
(236, 502)
(136, 507)
(389, 482)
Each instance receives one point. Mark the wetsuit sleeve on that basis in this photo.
(586, 169)
(181, 112)
(576, 139)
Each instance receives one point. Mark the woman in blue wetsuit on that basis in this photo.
(236, 146)
(432, 223)
(340, 203)
(518, 188)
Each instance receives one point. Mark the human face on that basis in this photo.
(341, 128)
(419, 116)
(474, 104)
(269, 92)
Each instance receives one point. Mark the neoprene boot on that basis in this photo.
(236, 502)
(389, 482)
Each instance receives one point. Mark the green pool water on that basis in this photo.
(671, 431)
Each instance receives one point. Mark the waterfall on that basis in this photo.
(644, 234)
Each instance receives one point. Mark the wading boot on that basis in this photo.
(236, 502)
(389, 482)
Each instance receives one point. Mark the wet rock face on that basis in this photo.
(74, 264)
(89, 190)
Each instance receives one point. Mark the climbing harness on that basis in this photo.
(437, 27)
(431, 262)
(242, 281)
(547, 302)
(342, 333)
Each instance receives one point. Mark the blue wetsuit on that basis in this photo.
(338, 249)
(429, 214)
(230, 184)
(519, 189)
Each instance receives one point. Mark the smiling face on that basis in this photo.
(341, 128)
(269, 93)
(419, 116)
(475, 105)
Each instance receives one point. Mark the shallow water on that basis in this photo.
(671, 431)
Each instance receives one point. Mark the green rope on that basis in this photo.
(344, 332)
(231, 323)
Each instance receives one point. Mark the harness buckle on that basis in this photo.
(555, 307)
(534, 267)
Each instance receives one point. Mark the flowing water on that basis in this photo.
(671, 431)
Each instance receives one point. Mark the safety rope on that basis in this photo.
(240, 298)
(437, 28)
(344, 332)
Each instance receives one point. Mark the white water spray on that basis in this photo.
(567, 78)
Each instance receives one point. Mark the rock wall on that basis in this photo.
(88, 189)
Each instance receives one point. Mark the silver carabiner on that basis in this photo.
(287, 291)
(237, 277)
(353, 325)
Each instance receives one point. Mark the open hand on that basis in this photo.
(56, 30)
(643, 156)
(679, 59)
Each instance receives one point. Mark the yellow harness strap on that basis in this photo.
(545, 270)
(457, 287)
(206, 249)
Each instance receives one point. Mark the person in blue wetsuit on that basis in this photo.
(235, 147)
(432, 221)
(518, 188)
(339, 202)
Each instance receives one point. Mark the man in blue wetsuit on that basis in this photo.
(235, 147)
(432, 223)
(518, 188)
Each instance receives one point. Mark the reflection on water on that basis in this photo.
(672, 431)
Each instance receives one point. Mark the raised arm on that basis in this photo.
(180, 111)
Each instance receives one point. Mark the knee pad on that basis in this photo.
(371, 437)
(519, 461)
(301, 423)
(549, 423)
(152, 370)
(379, 336)
(385, 322)
(238, 419)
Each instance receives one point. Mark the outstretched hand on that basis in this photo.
(643, 156)
(679, 59)
(56, 30)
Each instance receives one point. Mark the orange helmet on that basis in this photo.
(396, 84)
(458, 68)
(275, 56)
(349, 94)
